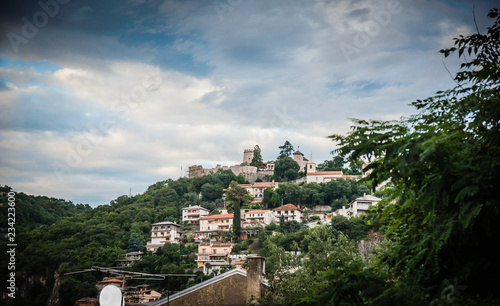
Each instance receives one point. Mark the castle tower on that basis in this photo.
(247, 156)
(311, 165)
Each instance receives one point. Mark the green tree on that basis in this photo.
(210, 193)
(237, 219)
(134, 243)
(282, 167)
(257, 157)
(237, 195)
(286, 150)
(444, 164)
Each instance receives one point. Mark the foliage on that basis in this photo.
(355, 228)
(257, 157)
(286, 150)
(444, 163)
(291, 227)
(36, 211)
(286, 168)
(134, 243)
(328, 272)
(237, 195)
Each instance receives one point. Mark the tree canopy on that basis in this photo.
(444, 164)
(286, 149)
(257, 157)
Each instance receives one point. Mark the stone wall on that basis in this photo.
(229, 291)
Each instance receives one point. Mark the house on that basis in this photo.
(358, 206)
(288, 212)
(143, 296)
(214, 254)
(163, 232)
(130, 258)
(257, 189)
(214, 225)
(263, 217)
(194, 213)
(235, 287)
(113, 281)
(323, 176)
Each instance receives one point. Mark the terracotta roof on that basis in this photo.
(221, 216)
(325, 173)
(239, 262)
(257, 211)
(288, 207)
(113, 280)
(265, 184)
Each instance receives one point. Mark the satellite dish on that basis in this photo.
(110, 296)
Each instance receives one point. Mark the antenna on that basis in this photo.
(130, 192)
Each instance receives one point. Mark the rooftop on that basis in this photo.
(288, 207)
(257, 211)
(166, 223)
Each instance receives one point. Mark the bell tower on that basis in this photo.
(311, 165)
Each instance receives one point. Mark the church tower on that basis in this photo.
(311, 165)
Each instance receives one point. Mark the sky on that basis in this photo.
(100, 98)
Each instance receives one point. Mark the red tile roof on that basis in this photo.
(113, 280)
(264, 184)
(256, 211)
(288, 207)
(221, 216)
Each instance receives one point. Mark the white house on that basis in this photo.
(215, 224)
(323, 176)
(194, 213)
(288, 212)
(358, 206)
(264, 217)
(163, 232)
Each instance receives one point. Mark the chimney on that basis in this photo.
(256, 267)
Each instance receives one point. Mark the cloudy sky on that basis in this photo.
(97, 97)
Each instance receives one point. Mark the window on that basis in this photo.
(215, 251)
(225, 251)
(203, 251)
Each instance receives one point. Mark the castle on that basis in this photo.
(251, 173)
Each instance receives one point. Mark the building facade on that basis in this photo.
(288, 212)
(214, 254)
(357, 207)
(163, 232)
(262, 217)
(192, 214)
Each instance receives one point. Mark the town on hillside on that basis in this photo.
(225, 240)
